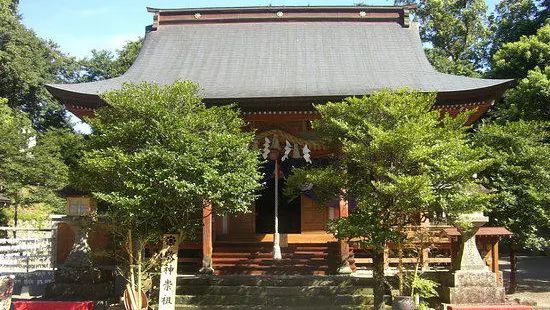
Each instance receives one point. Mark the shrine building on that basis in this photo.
(276, 63)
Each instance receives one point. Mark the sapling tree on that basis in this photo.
(156, 154)
(396, 157)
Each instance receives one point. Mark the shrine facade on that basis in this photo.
(276, 63)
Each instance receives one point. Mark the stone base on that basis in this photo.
(79, 275)
(483, 278)
(75, 291)
(79, 284)
(476, 295)
(474, 287)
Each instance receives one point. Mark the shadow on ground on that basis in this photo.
(533, 278)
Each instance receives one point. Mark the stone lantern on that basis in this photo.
(473, 282)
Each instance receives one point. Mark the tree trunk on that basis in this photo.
(378, 274)
(15, 219)
(400, 275)
(513, 271)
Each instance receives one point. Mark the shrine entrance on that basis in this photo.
(289, 211)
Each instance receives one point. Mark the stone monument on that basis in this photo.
(79, 278)
(473, 282)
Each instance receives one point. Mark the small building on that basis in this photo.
(276, 63)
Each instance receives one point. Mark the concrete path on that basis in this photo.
(533, 279)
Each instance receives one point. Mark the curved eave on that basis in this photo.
(84, 104)
(80, 104)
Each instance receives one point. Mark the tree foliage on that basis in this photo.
(105, 65)
(527, 59)
(520, 175)
(32, 169)
(395, 158)
(529, 100)
(513, 19)
(456, 32)
(516, 59)
(27, 62)
(157, 153)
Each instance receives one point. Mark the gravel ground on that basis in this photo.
(533, 279)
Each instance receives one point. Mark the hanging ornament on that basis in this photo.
(306, 152)
(267, 143)
(288, 148)
(296, 151)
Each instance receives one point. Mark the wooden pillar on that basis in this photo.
(455, 245)
(386, 256)
(207, 239)
(424, 241)
(425, 258)
(345, 267)
(496, 268)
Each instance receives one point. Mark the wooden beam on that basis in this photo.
(207, 239)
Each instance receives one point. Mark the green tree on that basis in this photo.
(456, 33)
(513, 19)
(520, 175)
(529, 100)
(527, 59)
(396, 158)
(105, 65)
(156, 154)
(516, 59)
(26, 64)
(32, 169)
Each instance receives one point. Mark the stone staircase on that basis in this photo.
(257, 259)
(273, 292)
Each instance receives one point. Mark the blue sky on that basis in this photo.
(79, 26)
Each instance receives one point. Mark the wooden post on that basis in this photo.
(454, 252)
(496, 268)
(344, 268)
(207, 239)
(425, 258)
(386, 257)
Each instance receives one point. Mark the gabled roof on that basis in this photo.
(354, 52)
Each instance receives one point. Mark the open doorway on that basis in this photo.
(289, 211)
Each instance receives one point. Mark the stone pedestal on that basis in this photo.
(79, 279)
(475, 287)
(473, 282)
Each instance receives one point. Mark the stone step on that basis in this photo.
(269, 300)
(290, 281)
(270, 260)
(273, 290)
(248, 307)
(272, 271)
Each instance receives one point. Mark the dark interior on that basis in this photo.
(289, 211)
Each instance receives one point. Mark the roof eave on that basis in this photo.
(287, 8)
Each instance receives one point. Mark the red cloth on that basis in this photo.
(488, 307)
(53, 305)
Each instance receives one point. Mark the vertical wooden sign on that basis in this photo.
(168, 273)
